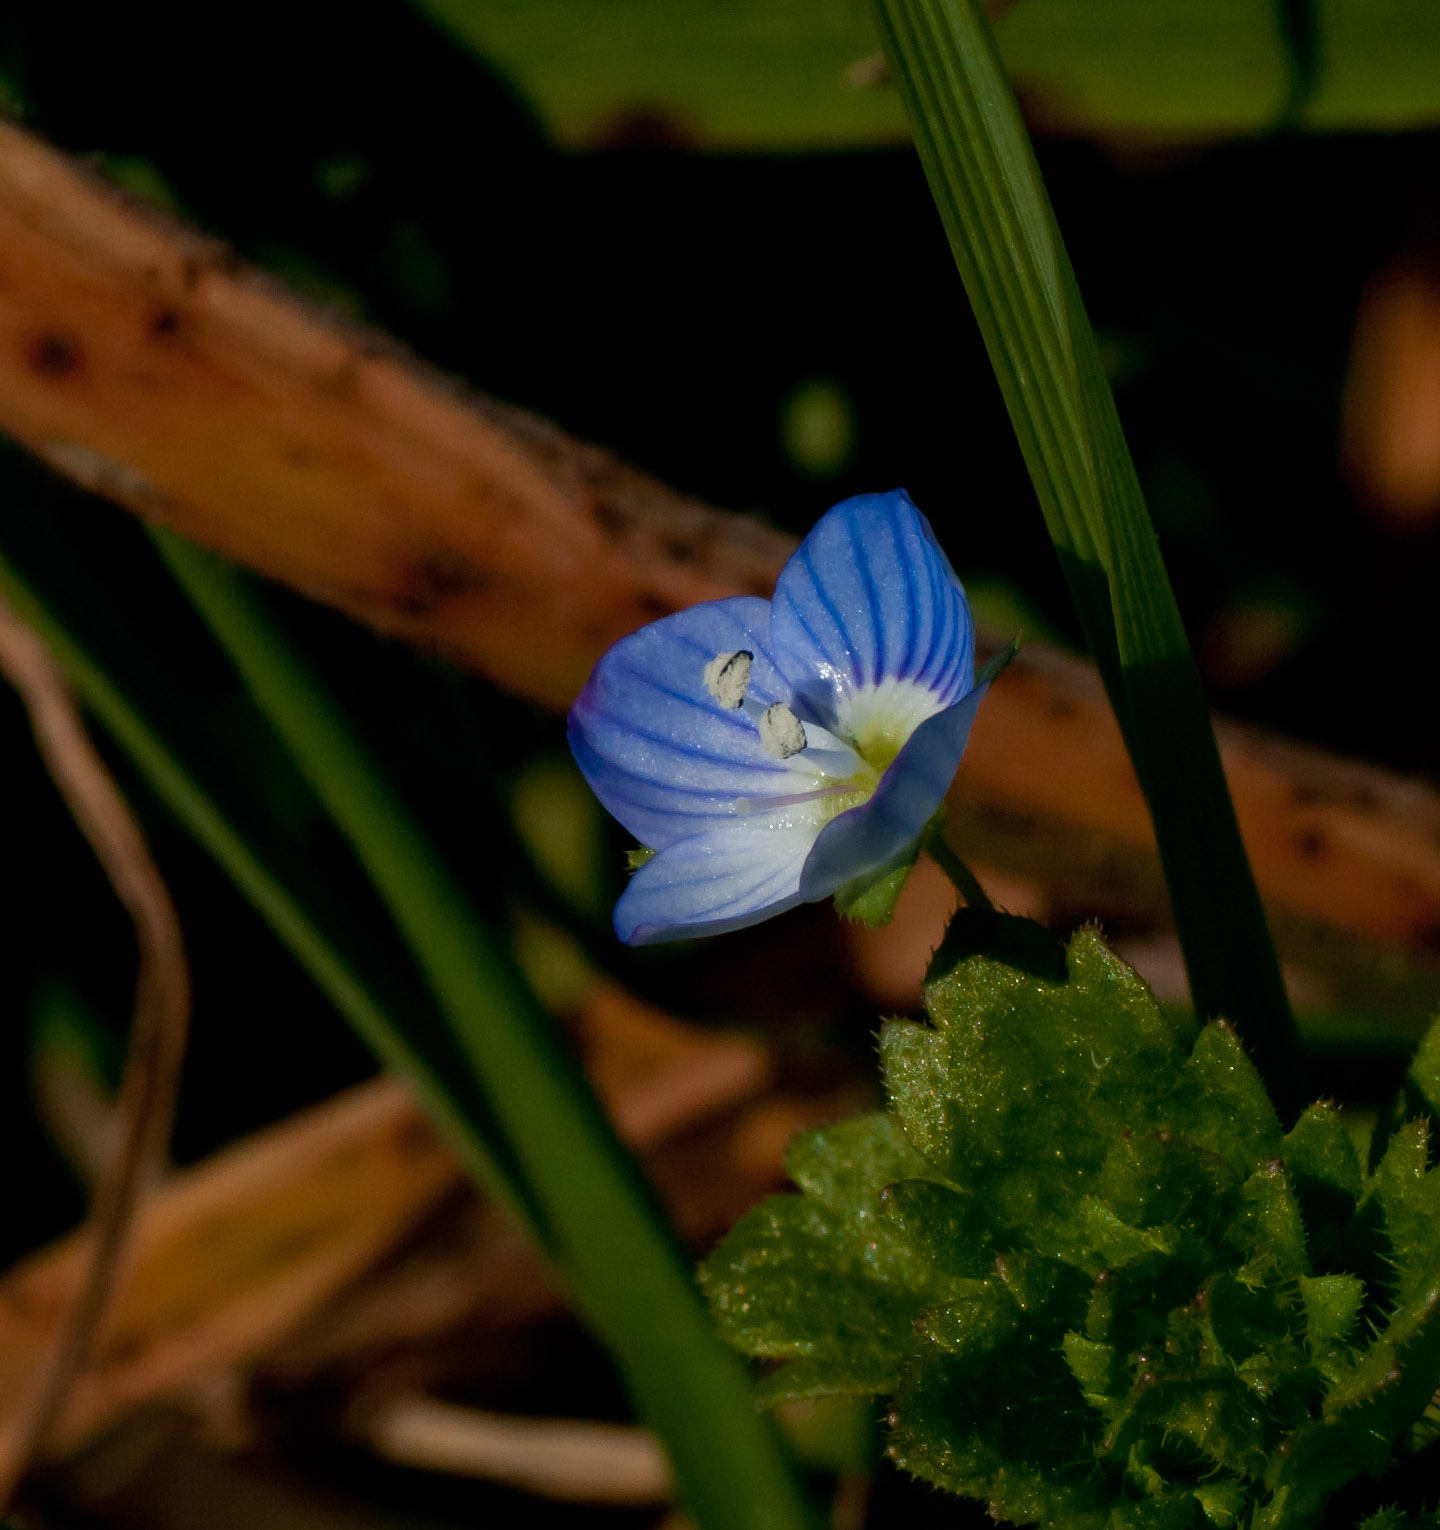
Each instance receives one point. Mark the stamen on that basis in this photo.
(747, 805)
(839, 764)
(829, 755)
(727, 677)
(781, 732)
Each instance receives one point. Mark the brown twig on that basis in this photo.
(259, 1253)
(230, 1255)
(569, 1459)
(135, 355)
(157, 1036)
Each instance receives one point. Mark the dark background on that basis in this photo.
(669, 304)
(680, 307)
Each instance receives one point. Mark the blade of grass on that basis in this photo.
(624, 1271)
(469, 1131)
(992, 201)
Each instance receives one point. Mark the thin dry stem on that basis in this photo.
(158, 1029)
(567, 1459)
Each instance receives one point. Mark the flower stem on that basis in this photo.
(959, 873)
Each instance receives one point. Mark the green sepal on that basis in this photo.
(870, 898)
(998, 662)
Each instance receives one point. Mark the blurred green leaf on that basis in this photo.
(833, 1434)
(559, 821)
(801, 74)
(735, 74)
(817, 427)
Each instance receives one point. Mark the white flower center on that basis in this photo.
(879, 719)
(836, 767)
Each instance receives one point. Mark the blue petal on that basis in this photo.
(869, 596)
(720, 880)
(658, 750)
(904, 802)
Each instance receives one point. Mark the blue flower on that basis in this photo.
(772, 752)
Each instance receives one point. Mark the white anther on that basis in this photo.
(781, 732)
(727, 677)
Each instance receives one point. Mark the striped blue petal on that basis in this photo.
(658, 750)
(903, 803)
(723, 879)
(869, 596)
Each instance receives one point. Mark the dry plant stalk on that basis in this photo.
(572, 1460)
(229, 1255)
(1390, 421)
(157, 1036)
(244, 1255)
(135, 356)
(1344, 845)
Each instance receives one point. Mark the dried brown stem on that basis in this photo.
(135, 356)
(157, 1036)
(568, 1459)
(153, 367)
(246, 1254)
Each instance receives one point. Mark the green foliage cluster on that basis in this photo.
(1100, 1281)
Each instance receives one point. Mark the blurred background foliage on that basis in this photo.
(754, 75)
(695, 233)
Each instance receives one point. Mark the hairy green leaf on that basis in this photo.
(1100, 1285)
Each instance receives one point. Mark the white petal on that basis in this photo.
(723, 879)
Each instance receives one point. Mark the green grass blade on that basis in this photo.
(992, 201)
(469, 1129)
(634, 1286)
